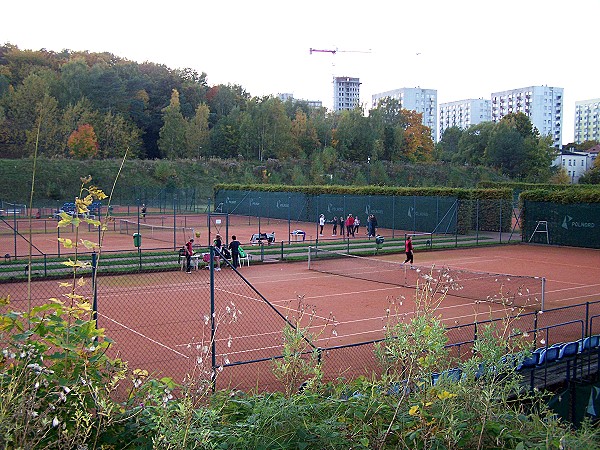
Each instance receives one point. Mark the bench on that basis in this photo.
(260, 238)
(298, 235)
(194, 262)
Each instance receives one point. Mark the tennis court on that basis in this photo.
(359, 306)
(161, 321)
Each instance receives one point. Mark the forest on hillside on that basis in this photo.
(93, 106)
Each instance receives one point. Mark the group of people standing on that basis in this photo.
(233, 249)
(349, 226)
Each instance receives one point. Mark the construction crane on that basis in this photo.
(333, 52)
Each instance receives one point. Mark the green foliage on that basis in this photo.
(300, 362)
(566, 195)
(55, 379)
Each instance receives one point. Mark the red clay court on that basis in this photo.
(160, 320)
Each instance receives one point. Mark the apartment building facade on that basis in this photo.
(587, 120)
(423, 101)
(542, 104)
(346, 93)
(464, 113)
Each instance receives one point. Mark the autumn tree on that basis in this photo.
(172, 134)
(197, 133)
(304, 132)
(418, 145)
(83, 143)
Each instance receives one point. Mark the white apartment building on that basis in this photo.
(423, 101)
(575, 163)
(285, 96)
(464, 113)
(587, 120)
(346, 93)
(542, 104)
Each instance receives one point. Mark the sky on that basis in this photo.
(463, 48)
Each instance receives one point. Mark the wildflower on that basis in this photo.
(445, 395)
(414, 410)
(55, 422)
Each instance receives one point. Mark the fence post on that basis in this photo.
(94, 287)
(393, 216)
(501, 221)
(213, 345)
(477, 222)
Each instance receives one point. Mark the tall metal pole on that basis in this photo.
(95, 288)
(174, 224)
(213, 324)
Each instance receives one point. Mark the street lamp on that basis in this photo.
(369, 170)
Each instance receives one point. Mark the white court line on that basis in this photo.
(577, 286)
(144, 336)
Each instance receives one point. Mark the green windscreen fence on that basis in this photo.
(576, 225)
(413, 213)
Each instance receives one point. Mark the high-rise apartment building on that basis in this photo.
(587, 120)
(423, 101)
(285, 96)
(542, 104)
(464, 113)
(346, 93)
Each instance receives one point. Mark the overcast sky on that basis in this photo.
(463, 48)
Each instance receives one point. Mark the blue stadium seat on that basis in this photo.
(453, 375)
(569, 349)
(590, 342)
(549, 354)
(531, 360)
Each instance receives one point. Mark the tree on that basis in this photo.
(592, 176)
(353, 137)
(116, 135)
(516, 147)
(83, 143)
(172, 134)
(389, 124)
(304, 133)
(265, 131)
(418, 145)
(505, 149)
(449, 143)
(472, 144)
(197, 135)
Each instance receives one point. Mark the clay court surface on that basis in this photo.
(168, 232)
(159, 320)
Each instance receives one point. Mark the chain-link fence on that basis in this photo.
(562, 224)
(215, 325)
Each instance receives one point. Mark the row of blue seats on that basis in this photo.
(538, 358)
(556, 352)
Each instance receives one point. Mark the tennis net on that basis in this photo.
(508, 290)
(157, 232)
